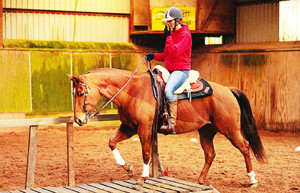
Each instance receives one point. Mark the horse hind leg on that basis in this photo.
(207, 134)
(121, 134)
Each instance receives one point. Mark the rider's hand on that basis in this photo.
(150, 56)
(167, 31)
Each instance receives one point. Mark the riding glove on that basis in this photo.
(167, 31)
(150, 56)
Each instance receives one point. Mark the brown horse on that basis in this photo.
(226, 111)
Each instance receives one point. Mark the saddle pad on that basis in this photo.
(205, 91)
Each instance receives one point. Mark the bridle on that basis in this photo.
(98, 109)
(86, 91)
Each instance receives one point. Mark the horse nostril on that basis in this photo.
(78, 121)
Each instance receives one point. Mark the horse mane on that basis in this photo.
(106, 70)
(114, 72)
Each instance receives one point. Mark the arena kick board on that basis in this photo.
(159, 185)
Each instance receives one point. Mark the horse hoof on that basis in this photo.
(254, 185)
(201, 181)
(204, 183)
(141, 181)
(129, 168)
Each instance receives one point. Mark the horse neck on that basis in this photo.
(109, 82)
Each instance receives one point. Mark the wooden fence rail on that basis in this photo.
(53, 121)
(32, 142)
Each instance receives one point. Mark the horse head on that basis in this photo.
(86, 97)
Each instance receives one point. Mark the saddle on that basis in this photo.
(192, 88)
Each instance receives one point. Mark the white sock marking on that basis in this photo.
(118, 157)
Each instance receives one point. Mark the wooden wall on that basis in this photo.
(216, 17)
(268, 73)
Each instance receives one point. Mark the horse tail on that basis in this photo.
(248, 126)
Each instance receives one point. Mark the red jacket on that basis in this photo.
(178, 50)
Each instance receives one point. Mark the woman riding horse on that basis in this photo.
(177, 57)
(226, 111)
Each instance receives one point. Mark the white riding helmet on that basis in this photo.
(173, 13)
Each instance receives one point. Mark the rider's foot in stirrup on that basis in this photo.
(166, 129)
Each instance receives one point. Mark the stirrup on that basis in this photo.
(166, 130)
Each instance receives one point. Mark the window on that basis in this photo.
(213, 40)
(289, 17)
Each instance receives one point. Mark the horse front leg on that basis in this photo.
(123, 133)
(145, 139)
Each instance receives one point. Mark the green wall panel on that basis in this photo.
(15, 83)
(124, 61)
(83, 62)
(51, 88)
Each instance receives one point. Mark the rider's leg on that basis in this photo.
(176, 79)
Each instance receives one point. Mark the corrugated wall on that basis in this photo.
(58, 27)
(89, 26)
(257, 23)
(109, 6)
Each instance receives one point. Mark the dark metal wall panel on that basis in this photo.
(257, 23)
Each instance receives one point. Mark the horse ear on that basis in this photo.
(77, 79)
(70, 77)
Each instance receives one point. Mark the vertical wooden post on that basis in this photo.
(31, 158)
(131, 20)
(149, 16)
(1, 24)
(70, 154)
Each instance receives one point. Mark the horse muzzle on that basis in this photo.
(81, 121)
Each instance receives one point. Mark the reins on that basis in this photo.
(107, 101)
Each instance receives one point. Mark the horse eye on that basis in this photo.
(81, 94)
